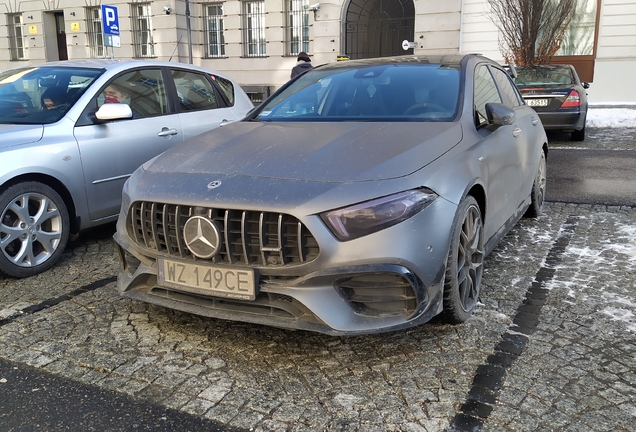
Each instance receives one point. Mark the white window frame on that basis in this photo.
(254, 41)
(94, 32)
(214, 30)
(15, 29)
(141, 22)
(296, 26)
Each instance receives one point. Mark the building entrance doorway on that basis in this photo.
(376, 28)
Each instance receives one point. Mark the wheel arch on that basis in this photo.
(56, 185)
(477, 191)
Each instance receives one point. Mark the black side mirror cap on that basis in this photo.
(499, 114)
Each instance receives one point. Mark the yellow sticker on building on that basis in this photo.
(75, 26)
(33, 29)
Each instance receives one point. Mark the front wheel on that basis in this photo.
(34, 229)
(537, 195)
(465, 263)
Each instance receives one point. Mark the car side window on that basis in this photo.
(226, 87)
(144, 90)
(509, 93)
(485, 92)
(195, 91)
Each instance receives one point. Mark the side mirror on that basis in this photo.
(586, 85)
(113, 111)
(499, 114)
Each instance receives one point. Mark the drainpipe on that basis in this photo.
(188, 30)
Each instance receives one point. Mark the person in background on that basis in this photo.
(303, 65)
(114, 94)
(53, 97)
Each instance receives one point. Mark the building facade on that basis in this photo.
(257, 41)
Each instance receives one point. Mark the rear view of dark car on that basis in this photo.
(557, 95)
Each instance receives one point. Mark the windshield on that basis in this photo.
(41, 95)
(404, 92)
(544, 76)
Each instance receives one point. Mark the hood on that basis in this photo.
(14, 135)
(320, 151)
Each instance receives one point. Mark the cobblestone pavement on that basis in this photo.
(550, 347)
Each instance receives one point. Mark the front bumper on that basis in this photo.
(373, 284)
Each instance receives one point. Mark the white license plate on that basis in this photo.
(537, 102)
(206, 279)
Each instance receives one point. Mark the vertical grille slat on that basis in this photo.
(299, 239)
(246, 254)
(248, 237)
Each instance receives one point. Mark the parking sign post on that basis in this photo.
(110, 24)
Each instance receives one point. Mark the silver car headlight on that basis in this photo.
(371, 216)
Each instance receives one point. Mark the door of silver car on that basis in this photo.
(112, 150)
(202, 109)
(502, 150)
(528, 131)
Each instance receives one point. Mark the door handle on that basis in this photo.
(516, 132)
(167, 132)
(535, 122)
(225, 122)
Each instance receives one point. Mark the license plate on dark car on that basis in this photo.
(537, 102)
(207, 279)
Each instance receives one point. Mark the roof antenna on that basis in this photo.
(175, 48)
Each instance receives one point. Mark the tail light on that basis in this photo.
(573, 100)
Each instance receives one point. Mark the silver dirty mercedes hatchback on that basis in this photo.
(361, 197)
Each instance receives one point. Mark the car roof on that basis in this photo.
(446, 59)
(117, 65)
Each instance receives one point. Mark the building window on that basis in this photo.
(215, 40)
(16, 37)
(580, 33)
(140, 16)
(254, 28)
(297, 27)
(94, 35)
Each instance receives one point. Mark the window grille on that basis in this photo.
(254, 28)
(94, 32)
(16, 37)
(143, 45)
(214, 28)
(297, 27)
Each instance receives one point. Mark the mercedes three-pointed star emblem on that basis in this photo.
(202, 237)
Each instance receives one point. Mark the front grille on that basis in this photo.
(248, 237)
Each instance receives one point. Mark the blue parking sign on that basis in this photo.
(110, 20)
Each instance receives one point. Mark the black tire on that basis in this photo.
(34, 229)
(537, 195)
(578, 135)
(465, 263)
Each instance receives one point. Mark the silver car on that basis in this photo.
(72, 132)
(361, 197)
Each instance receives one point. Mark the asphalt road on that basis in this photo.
(592, 176)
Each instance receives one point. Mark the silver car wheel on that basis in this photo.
(537, 195)
(34, 228)
(465, 263)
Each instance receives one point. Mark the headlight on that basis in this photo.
(368, 217)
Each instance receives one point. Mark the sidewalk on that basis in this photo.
(611, 115)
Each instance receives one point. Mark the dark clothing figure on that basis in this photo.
(53, 97)
(303, 65)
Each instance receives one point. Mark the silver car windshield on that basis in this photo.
(41, 95)
(402, 92)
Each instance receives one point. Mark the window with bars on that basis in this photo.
(16, 37)
(214, 27)
(254, 28)
(141, 21)
(95, 36)
(297, 27)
